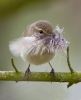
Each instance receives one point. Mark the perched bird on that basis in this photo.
(39, 44)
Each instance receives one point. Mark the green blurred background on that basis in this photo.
(15, 15)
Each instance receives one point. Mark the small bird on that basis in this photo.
(39, 44)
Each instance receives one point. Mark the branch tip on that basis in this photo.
(69, 84)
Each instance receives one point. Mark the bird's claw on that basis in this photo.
(27, 72)
(52, 72)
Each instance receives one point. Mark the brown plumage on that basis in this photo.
(43, 25)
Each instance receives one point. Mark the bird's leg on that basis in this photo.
(52, 70)
(27, 71)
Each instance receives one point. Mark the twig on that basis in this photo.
(73, 78)
(12, 62)
(68, 61)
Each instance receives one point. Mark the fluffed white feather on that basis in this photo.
(20, 45)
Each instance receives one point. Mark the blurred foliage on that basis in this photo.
(8, 6)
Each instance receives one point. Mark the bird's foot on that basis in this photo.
(27, 72)
(52, 72)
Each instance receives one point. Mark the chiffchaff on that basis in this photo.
(39, 44)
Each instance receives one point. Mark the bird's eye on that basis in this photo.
(40, 31)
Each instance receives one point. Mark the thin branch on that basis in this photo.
(41, 77)
(68, 61)
(13, 65)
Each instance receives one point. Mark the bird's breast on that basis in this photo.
(38, 55)
(40, 58)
